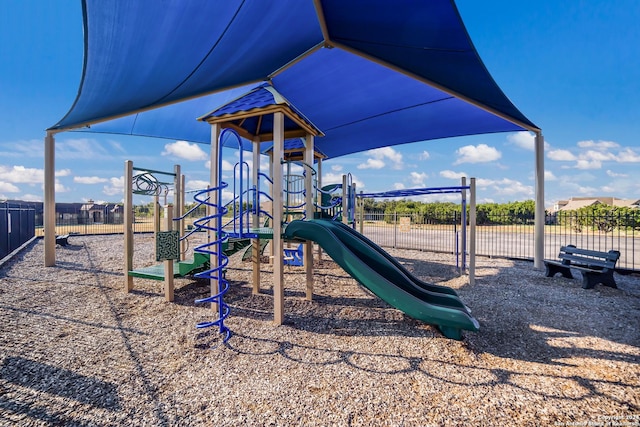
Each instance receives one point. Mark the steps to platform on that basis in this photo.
(180, 268)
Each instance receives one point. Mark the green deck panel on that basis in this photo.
(260, 232)
(180, 269)
(366, 263)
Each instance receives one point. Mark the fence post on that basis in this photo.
(395, 229)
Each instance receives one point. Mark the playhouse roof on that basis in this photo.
(366, 73)
(251, 115)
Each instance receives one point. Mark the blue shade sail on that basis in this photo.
(366, 73)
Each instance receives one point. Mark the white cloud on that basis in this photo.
(587, 190)
(227, 165)
(372, 164)
(184, 150)
(334, 178)
(418, 178)
(549, 176)
(117, 146)
(7, 187)
(597, 156)
(585, 164)
(452, 175)
(524, 140)
(592, 154)
(561, 155)
(480, 153)
(89, 179)
(444, 197)
(378, 157)
(424, 155)
(115, 186)
(599, 145)
(336, 168)
(398, 186)
(23, 148)
(31, 198)
(505, 187)
(81, 148)
(21, 175)
(195, 184)
(628, 155)
(60, 188)
(615, 174)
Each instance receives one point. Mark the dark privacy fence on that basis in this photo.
(17, 226)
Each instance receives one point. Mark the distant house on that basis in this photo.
(77, 213)
(576, 203)
(581, 202)
(100, 213)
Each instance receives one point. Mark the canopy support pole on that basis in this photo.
(309, 213)
(255, 243)
(278, 248)
(128, 224)
(539, 218)
(49, 200)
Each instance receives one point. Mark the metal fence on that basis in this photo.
(496, 236)
(17, 226)
(507, 235)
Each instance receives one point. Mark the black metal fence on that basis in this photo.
(17, 226)
(508, 235)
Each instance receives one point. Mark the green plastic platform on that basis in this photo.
(180, 268)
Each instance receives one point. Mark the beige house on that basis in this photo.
(581, 202)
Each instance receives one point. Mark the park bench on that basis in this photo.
(596, 267)
(62, 240)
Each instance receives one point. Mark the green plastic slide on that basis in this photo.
(374, 269)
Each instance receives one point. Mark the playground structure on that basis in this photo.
(272, 119)
(300, 210)
(146, 183)
(172, 241)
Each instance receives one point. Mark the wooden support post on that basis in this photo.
(178, 206)
(309, 211)
(345, 200)
(361, 223)
(255, 243)
(128, 225)
(271, 192)
(168, 263)
(278, 262)
(214, 179)
(49, 200)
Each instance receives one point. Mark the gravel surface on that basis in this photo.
(76, 350)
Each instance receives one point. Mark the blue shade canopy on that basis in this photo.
(366, 73)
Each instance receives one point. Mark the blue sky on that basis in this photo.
(572, 67)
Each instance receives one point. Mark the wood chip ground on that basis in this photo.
(76, 350)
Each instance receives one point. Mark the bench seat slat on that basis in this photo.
(613, 255)
(589, 261)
